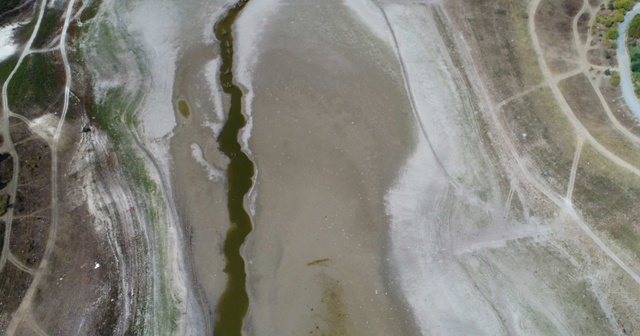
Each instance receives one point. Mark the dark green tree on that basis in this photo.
(634, 27)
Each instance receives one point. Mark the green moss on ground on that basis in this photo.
(36, 82)
(7, 5)
(6, 67)
(51, 21)
(90, 11)
(4, 204)
(184, 108)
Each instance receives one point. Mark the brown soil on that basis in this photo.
(583, 26)
(613, 97)
(554, 24)
(14, 284)
(588, 109)
(608, 197)
(542, 132)
(19, 131)
(595, 3)
(6, 169)
(501, 41)
(29, 230)
(596, 56)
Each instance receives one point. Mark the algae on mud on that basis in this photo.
(234, 302)
(183, 107)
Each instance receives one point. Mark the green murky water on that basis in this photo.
(184, 108)
(234, 302)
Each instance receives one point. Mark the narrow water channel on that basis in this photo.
(234, 302)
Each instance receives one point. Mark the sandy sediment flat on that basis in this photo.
(332, 125)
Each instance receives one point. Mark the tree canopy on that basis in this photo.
(626, 4)
(634, 27)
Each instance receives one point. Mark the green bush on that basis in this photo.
(634, 27)
(626, 4)
(612, 33)
(615, 79)
(607, 72)
(609, 22)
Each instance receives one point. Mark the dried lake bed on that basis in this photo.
(343, 167)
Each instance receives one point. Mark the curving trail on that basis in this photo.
(5, 130)
(12, 258)
(552, 82)
(562, 202)
(24, 310)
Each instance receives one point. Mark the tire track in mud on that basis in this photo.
(234, 301)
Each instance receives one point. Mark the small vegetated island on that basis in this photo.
(633, 35)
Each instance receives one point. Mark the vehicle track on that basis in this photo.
(560, 201)
(24, 310)
(17, 263)
(574, 168)
(8, 143)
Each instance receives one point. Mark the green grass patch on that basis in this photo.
(615, 79)
(184, 108)
(7, 5)
(48, 27)
(612, 33)
(115, 115)
(23, 33)
(4, 204)
(6, 67)
(36, 81)
(90, 11)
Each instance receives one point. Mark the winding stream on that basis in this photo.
(624, 63)
(234, 302)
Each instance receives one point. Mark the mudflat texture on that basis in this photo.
(330, 130)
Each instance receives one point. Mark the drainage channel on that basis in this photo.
(234, 302)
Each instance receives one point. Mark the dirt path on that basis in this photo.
(505, 136)
(412, 100)
(24, 310)
(574, 168)
(564, 203)
(585, 65)
(5, 131)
